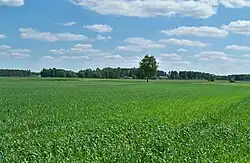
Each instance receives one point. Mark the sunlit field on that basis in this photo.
(77, 120)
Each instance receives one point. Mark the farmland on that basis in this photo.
(75, 120)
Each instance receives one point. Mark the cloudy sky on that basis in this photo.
(203, 35)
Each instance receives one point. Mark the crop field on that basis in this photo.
(57, 120)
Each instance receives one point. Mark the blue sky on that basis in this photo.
(202, 35)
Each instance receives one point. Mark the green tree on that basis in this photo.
(149, 66)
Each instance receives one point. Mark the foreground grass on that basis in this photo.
(123, 121)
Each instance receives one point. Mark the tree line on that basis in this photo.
(133, 73)
(148, 69)
(117, 73)
(15, 72)
(108, 73)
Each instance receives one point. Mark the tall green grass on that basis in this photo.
(124, 121)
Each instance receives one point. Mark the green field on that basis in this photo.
(53, 120)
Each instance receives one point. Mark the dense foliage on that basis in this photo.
(111, 73)
(117, 73)
(148, 66)
(15, 72)
(133, 73)
(57, 73)
(74, 120)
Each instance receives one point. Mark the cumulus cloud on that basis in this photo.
(213, 55)
(18, 55)
(246, 55)
(19, 50)
(181, 50)
(175, 63)
(29, 33)
(74, 57)
(101, 55)
(172, 57)
(235, 3)
(239, 27)
(12, 52)
(58, 51)
(183, 42)
(101, 28)
(151, 8)
(238, 48)
(67, 24)
(5, 47)
(85, 49)
(100, 37)
(47, 58)
(129, 48)
(11, 2)
(144, 43)
(137, 44)
(202, 31)
(2, 36)
(113, 57)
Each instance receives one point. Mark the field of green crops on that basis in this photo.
(55, 120)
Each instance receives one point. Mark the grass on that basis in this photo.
(47, 120)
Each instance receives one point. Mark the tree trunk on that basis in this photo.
(147, 79)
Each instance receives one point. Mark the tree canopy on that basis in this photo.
(148, 66)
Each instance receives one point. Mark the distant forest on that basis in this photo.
(117, 73)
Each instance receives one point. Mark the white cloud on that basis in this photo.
(29, 33)
(235, 3)
(58, 51)
(78, 48)
(139, 44)
(4, 47)
(19, 50)
(172, 57)
(47, 58)
(11, 2)
(17, 55)
(183, 42)
(174, 63)
(2, 36)
(99, 54)
(129, 48)
(213, 55)
(246, 55)
(100, 37)
(196, 31)
(144, 44)
(113, 57)
(68, 23)
(238, 48)
(240, 27)
(152, 8)
(83, 48)
(181, 50)
(12, 52)
(74, 57)
(71, 37)
(101, 28)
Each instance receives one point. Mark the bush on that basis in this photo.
(232, 81)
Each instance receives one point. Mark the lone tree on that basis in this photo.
(148, 66)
